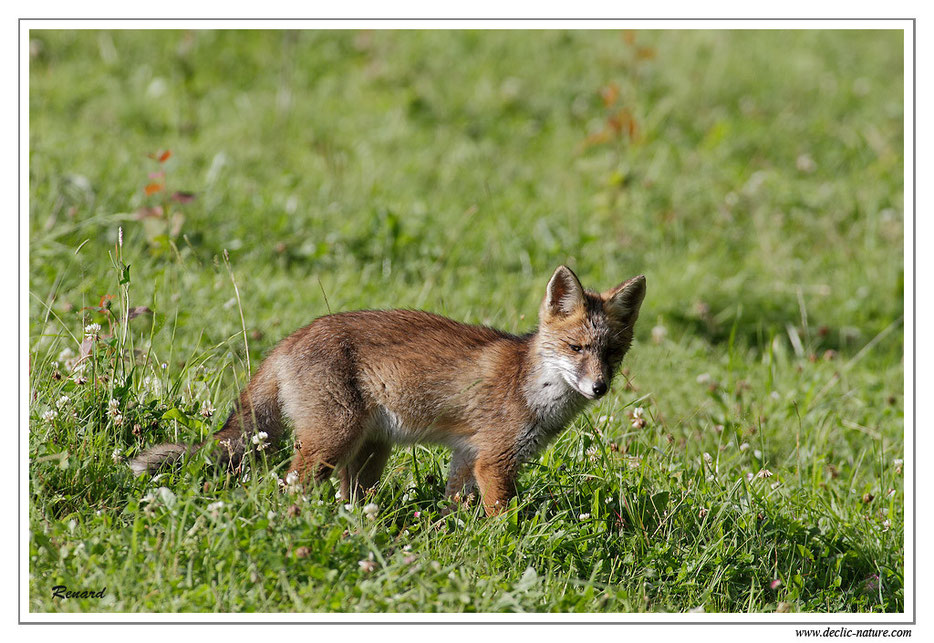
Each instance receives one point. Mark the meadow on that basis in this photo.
(195, 196)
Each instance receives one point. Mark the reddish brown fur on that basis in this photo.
(354, 383)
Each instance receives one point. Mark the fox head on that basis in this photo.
(583, 334)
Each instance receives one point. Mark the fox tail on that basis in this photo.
(257, 410)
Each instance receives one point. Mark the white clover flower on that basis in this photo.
(764, 473)
(371, 510)
(898, 462)
(50, 415)
(291, 478)
(658, 333)
(593, 454)
(708, 458)
(348, 507)
(367, 565)
(584, 517)
(886, 525)
(750, 477)
(744, 446)
(113, 408)
(259, 440)
(214, 508)
(62, 401)
(91, 331)
(116, 456)
(207, 409)
(757, 454)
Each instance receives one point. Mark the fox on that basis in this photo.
(350, 385)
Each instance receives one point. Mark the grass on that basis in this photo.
(754, 177)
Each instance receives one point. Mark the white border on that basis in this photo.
(772, 619)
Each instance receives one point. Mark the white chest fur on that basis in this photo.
(553, 404)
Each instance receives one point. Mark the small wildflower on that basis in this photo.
(120, 236)
(408, 560)
(702, 513)
(638, 421)
(207, 409)
(704, 378)
(750, 477)
(164, 366)
(50, 415)
(417, 514)
(775, 485)
(744, 446)
(407, 548)
(65, 355)
(757, 454)
(259, 439)
(371, 510)
(113, 408)
(116, 456)
(658, 333)
(367, 565)
(774, 395)
(886, 525)
(805, 163)
(118, 420)
(270, 515)
(92, 331)
(593, 454)
(775, 584)
(348, 507)
(783, 607)
(764, 473)
(584, 517)
(890, 493)
(62, 401)
(867, 498)
(708, 458)
(302, 552)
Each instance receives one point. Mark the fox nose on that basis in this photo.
(599, 388)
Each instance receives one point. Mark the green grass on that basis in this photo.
(755, 178)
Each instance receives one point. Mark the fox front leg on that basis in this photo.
(461, 481)
(496, 477)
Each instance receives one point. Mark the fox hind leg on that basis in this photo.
(327, 436)
(364, 469)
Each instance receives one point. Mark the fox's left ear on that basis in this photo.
(623, 302)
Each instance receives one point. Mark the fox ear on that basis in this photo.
(564, 294)
(623, 302)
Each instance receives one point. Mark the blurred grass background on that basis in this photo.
(754, 177)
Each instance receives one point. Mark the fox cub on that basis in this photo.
(353, 384)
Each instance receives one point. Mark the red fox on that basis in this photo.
(353, 384)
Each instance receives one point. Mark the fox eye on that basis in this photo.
(574, 347)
